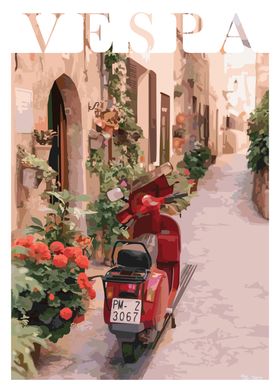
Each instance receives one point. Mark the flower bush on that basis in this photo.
(55, 286)
(258, 131)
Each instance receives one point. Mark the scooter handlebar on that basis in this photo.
(170, 199)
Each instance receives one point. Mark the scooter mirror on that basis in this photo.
(115, 194)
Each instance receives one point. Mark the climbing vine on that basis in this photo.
(129, 132)
(116, 173)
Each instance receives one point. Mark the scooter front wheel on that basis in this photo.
(131, 351)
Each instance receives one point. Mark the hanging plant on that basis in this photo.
(34, 169)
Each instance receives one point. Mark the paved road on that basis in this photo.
(222, 319)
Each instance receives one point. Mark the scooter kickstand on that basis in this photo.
(173, 323)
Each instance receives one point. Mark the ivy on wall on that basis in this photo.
(129, 132)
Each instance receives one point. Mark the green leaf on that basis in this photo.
(21, 250)
(83, 198)
(48, 315)
(33, 230)
(56, 195)
(37, 221)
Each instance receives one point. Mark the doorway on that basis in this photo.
(58, 158)
(164, 128)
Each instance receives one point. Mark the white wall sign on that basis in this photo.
(24, 111)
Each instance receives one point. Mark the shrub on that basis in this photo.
(23, 338)
(195, 161)
(258, 131)
(49, 285)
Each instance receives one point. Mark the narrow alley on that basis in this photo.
(222, 319)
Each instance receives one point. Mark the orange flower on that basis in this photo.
(72, 252)
(83, 281)
(91, 293)
(60, 261)
(82, 261)
(25, 241)
(66, 313)
(57, 247)
(83, 241)
(39, 251)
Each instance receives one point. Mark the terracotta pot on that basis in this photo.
(42, 151)
(180, 119)
(99, 252)
(213, 159)
(36, 353)
(260, 194)
(31, 177)
(194, 186)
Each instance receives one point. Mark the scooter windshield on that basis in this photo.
(151, 176)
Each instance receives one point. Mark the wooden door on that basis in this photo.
(152, 117)
(63, 172)
(58, 158)
(164, 128)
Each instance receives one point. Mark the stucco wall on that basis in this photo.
(38, 72)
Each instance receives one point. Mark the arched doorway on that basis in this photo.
(64, 116)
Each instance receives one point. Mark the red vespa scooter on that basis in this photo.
(140, 288)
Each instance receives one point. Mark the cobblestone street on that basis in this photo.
(222, 319)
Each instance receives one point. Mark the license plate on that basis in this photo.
(126, 310)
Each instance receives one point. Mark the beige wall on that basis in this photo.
(262, 75)
(162, 65)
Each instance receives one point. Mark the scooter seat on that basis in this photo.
(133, 259)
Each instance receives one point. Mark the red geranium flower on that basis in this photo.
(25, 241)
(72, 252)
(82, 261)
(187, 172)
(57, 247)
(60, 261)
(39, 251)
(91, 293)
(191, 181)
(83, 281)
(66, 313)
(79, 318)
(51, 297)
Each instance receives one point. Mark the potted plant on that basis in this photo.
(96, 139)
(179, 139)
(57, 300)
(178, 91)
(43, 142)
(34, 169)
(195, 163)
